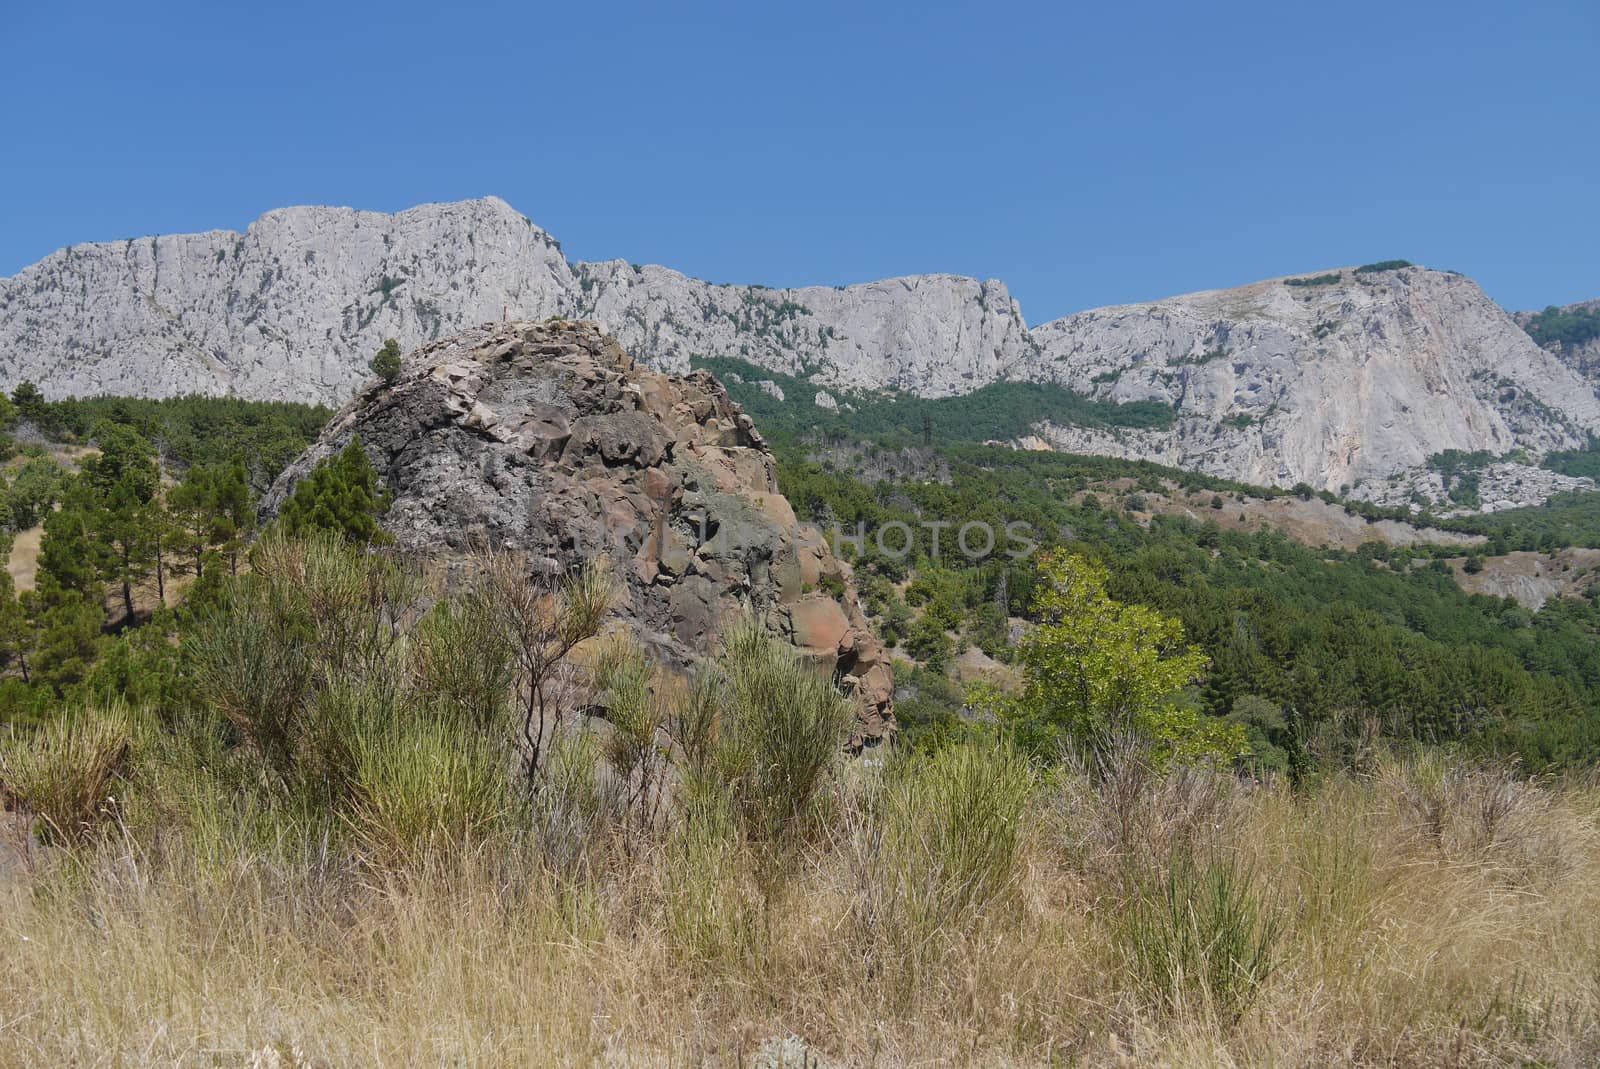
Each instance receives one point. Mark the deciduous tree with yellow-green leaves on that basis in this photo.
(1095, 668)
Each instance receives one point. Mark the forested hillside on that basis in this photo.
(1309, 649)
(121, 506)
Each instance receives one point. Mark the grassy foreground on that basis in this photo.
(377, 833)
(1416, 916)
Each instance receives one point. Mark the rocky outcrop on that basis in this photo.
(1582, 353)
(548, 439)
(1497, 486)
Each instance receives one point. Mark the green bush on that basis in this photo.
(783, 729)
(461, 660)
(1383, 265)
(1200, 933)
(62, 773)
(423, 786)
(1572, 327)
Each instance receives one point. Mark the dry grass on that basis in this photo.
(23, 564)
(1426, 915)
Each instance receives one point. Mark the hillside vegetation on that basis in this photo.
(1220, 797)
(999, 410)
(352, 849)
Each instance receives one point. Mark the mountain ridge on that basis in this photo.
(1351, 378)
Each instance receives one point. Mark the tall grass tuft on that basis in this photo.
(63, 772)
(713, 918)
(1200, 935)
(423, 787)
(636, 712)
(940, 845)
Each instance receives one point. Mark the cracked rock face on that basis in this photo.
(1334, 384)
(549, 439)
(294, 307)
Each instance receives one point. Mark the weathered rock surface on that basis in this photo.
(1501, 486)
(1531, 579)
(549, 439)
(1331, 385)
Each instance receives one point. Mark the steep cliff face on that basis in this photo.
(295, 306)
(1354, 379)
(549, 440)
(291, 309)
(933, 335)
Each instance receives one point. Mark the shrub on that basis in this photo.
(386, 362)
(540, 620)
(569, 812)
(785, 723)
(462, 661)
(948, 834)
(636, 712)
(253, 665)
(1383, 265)
(423, 787)
(313, 614)
(63, 772)
(1200, 932)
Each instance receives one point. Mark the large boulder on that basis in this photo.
(548, 439)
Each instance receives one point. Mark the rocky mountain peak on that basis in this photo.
(548, 439)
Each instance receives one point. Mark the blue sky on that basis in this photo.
(1088, 154)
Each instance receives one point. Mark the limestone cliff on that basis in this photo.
(1347, 378)
(294, 307)
(1357, 378)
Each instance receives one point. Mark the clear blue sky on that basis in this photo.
(1086, 153)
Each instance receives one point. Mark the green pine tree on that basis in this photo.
(386, 364)
(341, 494)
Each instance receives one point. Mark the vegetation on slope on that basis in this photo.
(1334, 643)
(163, 496)
(1000, 410)
(1569, 327)
(348, 847)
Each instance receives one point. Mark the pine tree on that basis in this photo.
(386, 364)
(233, 508)
(68, 630)
(341, 494)
(16, 637)
(190, 511)
(120, 487)
(71, 559)
(30, 403)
